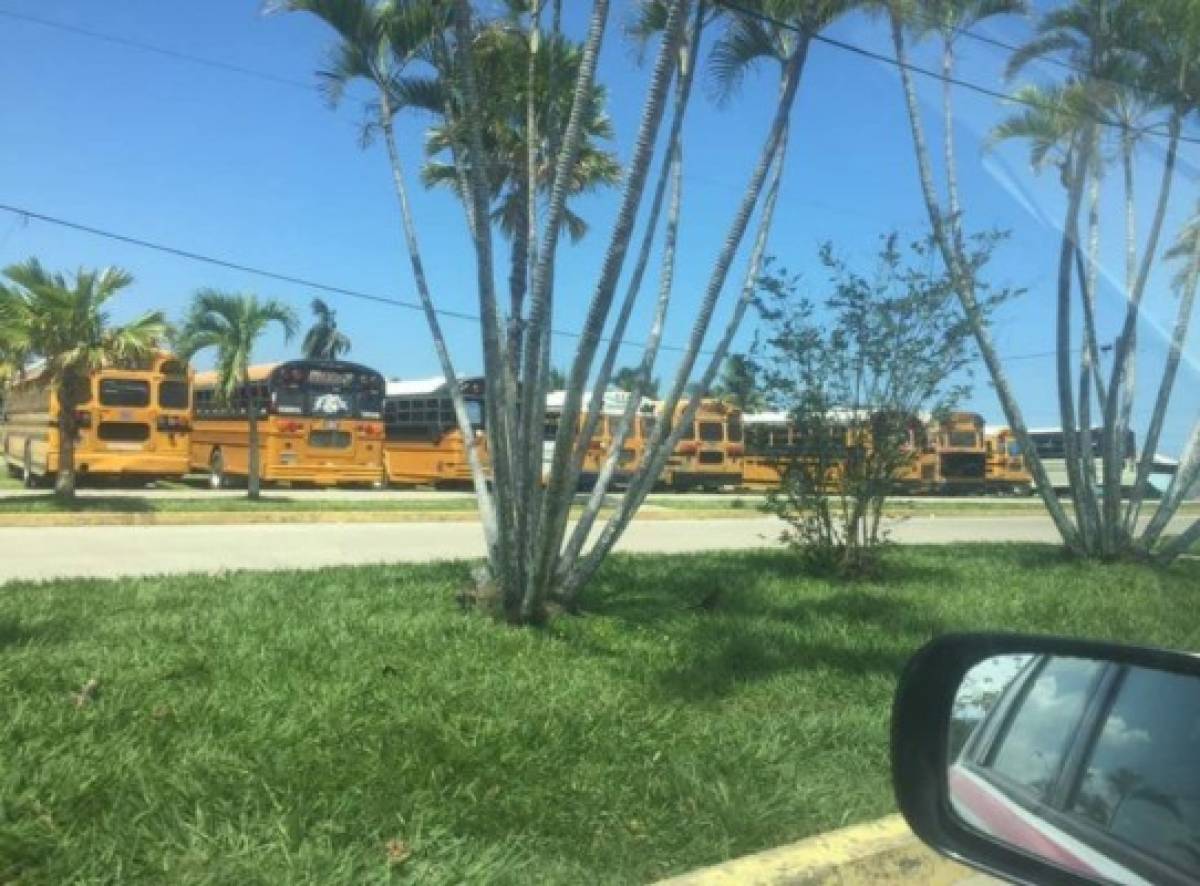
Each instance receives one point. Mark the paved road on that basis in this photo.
(40, 553)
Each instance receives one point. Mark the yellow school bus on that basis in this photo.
(1006, 470)
(961, 455)
(773, 442)
(769, 443)
(613, 405)
(132, 422)
(709, 454)
(424, 445)
(320, 422)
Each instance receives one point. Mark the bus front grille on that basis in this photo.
(711, 458)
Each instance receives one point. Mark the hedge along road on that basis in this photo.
(111, 551)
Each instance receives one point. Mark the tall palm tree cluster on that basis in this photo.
(518, 131)
(1128, 74)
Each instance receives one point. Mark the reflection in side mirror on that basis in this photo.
(1053, 760)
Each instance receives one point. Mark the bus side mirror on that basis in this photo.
(1050, 760)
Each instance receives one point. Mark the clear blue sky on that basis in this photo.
(263, 173)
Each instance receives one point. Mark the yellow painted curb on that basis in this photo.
(875, 853)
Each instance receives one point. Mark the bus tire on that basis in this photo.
(216, 471)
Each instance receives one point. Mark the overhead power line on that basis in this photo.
(729, 4)
(278, 276)
(157, 50)
(923, 71)
(28, 214)
(996, 43)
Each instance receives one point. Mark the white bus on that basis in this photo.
(1048, 442)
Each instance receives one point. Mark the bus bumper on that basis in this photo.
(686, 479)
(132, 465)
(348, 475)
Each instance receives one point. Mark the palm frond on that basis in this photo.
(745, 41)
(1046, 45)
(576, 227)
(419, 93)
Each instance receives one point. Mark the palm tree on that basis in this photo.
(232, 324)
(899, 13)
(778, 32)
(375, 44)
(502, 57)
(65, 323)
(1059, 122)
(1095, 37)
(948, 19)
(1186, 250)
(324, 341)
(13, 326)
(1138, 59)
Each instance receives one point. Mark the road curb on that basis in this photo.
(233, 518)
(878, 852)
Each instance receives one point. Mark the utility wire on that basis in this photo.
(926, 72)
(278, 275)
(27, 214)
(157, 50)
(729, 4)
(996, 43)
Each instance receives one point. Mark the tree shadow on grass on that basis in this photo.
(727, 660)
(644, 589)
(16, 632)
(738, 623)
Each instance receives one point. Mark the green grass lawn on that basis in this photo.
(285, 727)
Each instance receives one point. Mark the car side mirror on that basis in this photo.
(1051, 760)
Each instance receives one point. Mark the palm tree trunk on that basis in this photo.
(64, 479)
(673, 171)
(556, 501)
(253, 460)
(518, 279)
(1187, 299)
(671, 165)
(528, 460)
(537, 502)
(1082, 492)
(1087, 282)
(953, 203)
(1089, 279)
(964, 288)
(498, 414)
(657, 448)
(1187, 474)
(1119, 403)
(487, 511)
